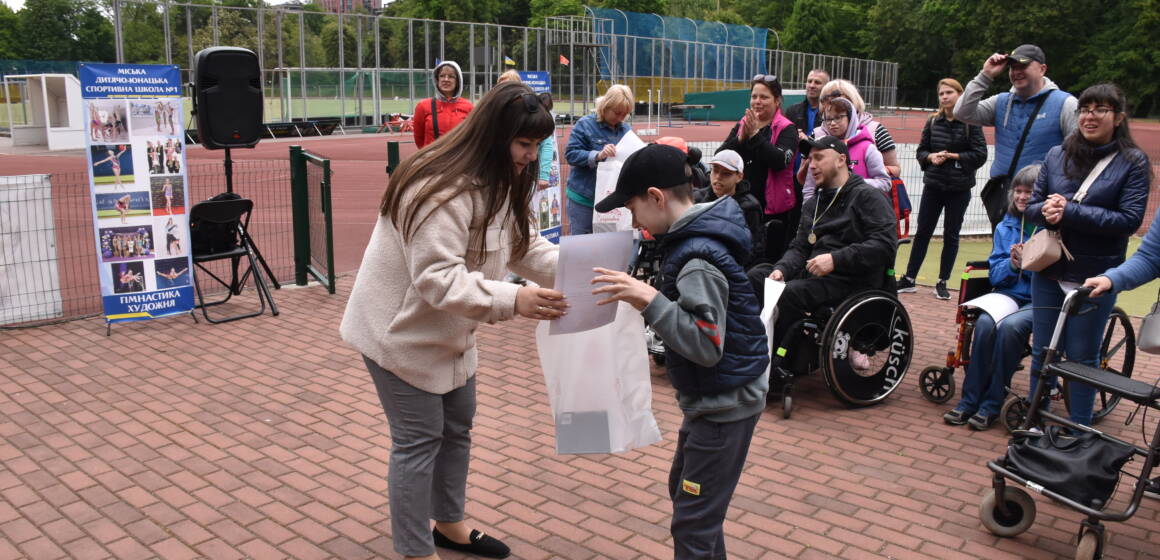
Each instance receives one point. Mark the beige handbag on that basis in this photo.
(1046, 247)
(1043, 250)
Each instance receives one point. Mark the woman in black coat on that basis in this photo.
(949, 153)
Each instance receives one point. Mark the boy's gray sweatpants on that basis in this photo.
(430, 445)
(706, 468)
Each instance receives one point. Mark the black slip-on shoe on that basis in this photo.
(480, 545)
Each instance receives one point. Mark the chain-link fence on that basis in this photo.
(363, 67)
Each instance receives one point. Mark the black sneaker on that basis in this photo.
(978, 422)
(956, 417)
(1152, 490)
(906, 285)
(940, 290)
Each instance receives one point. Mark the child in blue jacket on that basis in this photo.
(715, 345)
(997, 349)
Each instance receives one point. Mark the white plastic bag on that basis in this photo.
(599, 386)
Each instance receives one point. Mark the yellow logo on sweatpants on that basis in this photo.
(691, 487)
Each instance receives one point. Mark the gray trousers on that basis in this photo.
(705, 471)
(430, 446)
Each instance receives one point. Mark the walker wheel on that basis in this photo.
(1089, 547)
(937, 384)
(786, 405)
(1021, 509)
(1014, 410)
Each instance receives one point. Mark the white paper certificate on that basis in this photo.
(579, 254)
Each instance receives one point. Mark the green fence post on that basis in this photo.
(301, 212)
(326, 209)
(392, 157)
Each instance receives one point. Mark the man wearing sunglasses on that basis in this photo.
(1033, 96)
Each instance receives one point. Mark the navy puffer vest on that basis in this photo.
(718, 235)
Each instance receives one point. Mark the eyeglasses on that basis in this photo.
(834, 119)
(1099, 112)
(766, 78)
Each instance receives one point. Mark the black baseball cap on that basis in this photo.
(830, 143)
(1024, 54)
(655, 165)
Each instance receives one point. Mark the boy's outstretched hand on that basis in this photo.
(621, 287)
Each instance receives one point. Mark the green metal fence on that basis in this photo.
(313, 220)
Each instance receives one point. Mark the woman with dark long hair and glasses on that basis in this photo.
(454, 219)
(1094, 227)
(767, 142)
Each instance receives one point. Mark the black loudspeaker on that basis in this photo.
(227, 93)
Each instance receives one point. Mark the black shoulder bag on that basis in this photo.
(435, 121)
(994, 193)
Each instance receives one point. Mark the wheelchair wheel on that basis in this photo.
(1013, 412)
(866, 348)
(1117, 355)
(1020, 509)
(937, 384)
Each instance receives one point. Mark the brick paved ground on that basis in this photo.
(263, 439)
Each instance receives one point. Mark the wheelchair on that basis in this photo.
(937, 383)
(872, 323)
(646, 267)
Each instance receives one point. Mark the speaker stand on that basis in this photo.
(229, 167)
(229, 164)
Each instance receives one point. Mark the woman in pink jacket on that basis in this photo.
(454, 219)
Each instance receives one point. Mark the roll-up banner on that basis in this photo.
(139, 189)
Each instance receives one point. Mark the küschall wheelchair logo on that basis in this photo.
(895, 342)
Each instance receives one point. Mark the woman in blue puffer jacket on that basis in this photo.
(1094, 230)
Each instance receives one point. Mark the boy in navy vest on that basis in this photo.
(715, 347)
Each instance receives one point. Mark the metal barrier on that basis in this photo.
(313, 220)
(48, 255)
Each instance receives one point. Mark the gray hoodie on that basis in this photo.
(458, 79)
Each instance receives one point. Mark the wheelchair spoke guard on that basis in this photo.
(866, 348)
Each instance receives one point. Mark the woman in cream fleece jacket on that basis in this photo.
(453, 221)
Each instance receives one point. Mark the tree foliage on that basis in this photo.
(1086, 41)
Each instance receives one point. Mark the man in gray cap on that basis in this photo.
(1030, 119)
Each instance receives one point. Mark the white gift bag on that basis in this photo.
(618, 219)
(599, 386)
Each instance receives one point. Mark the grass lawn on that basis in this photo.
(1137, 302)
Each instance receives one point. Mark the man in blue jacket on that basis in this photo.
(1009, 111)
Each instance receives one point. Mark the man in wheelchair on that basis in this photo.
(845, 243)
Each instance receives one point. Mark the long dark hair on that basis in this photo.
(1079, 154)
(474, 156)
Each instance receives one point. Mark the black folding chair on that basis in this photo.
(218, 231)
